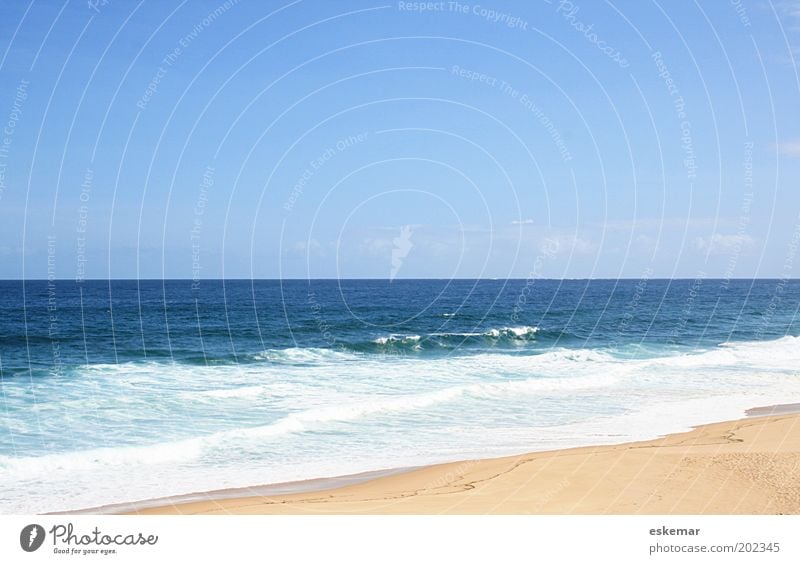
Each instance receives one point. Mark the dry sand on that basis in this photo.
(748, 466)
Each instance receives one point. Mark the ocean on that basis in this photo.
(116, 391)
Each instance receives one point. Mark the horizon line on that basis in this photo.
(292, 279)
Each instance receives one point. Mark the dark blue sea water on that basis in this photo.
(122, 390)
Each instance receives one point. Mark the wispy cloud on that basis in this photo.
(645, 243)
(790, 16)
(664, 223)
(302, 247)
(723, 244)
(573, 244)
(401, 246)
(522, 222)
(789, 148)
(375, 245)
(790, 9)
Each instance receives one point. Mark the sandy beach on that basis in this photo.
(747, 466)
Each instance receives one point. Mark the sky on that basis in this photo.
(371, 139)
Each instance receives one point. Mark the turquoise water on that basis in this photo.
(126, 390)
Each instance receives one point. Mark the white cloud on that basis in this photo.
(723, 244)
(522, 222)
(402, 245)
(376, 246)
(306, 246)
(583, 245)
(790, 8)
(440, 248)
(645, 243)
(664, 223)
(571, 244)
(789, 148)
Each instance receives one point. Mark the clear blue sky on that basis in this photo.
(370, 139)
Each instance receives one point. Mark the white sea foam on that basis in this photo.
(298, 422)
(96, 459)
(301, 355)
(228, 393)
(397, 339)
(516, 332)
(327, 412)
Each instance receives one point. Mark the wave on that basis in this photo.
(402, 339)
(231, 393)
(522, 333)
(493, 337)
(411, 390)
(301, 355)
(193, 448)
(367, 357)
(166, 453)
(307, 420)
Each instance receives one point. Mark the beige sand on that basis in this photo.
(749, 466)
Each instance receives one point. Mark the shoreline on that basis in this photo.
(748, 465)
(310, 485)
